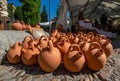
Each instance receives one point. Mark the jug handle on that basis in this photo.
(74, 47)
(106, 43)
(94, 45)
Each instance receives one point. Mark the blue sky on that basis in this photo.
(53, 6)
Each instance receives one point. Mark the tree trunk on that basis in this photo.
(62, 18)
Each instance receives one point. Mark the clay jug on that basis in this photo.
(63, 45)
(50, 58)
(24, 26)
(80, 34)
(30, 55)
(84, 46)
(95, 57)
(106, 46)
(74, 60)
(17, 25)
(14, 53)
(54, 40)
(76, 39)
(43, 42)
(25, 42)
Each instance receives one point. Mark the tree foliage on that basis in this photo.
(44, 15)
(31, 11)
(18, 13)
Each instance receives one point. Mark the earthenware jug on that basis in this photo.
(74, 60)
(84, 46)
(50, 58)
(95, 57)
(106, 46)
(17, 25)
(25, 42)
(30, 55)
(43, 42)
(63, 45)
(14, 53)
(80, 34)
(24, 26)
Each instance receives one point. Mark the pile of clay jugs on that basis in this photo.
(75, 51)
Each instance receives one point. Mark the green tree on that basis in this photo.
(31, 11)
(18, 13)
(44, 15)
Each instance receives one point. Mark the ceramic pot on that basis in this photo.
(30, 55)
(74, 60)
(14, 53)
(50, 58)
(17, 25)
(43, 42)
(63, 45)
(25, 42)
(106, 46)
(95, 57)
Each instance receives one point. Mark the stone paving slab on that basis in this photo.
(20, 72)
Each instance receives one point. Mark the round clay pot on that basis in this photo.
(50, 58)
(30, 55)
(25, 42)
(63, 45)
(74, 60)
(14, 53)
(43, 42)
(106, 46)
(95, 57)
(24, 26)
(17, 25)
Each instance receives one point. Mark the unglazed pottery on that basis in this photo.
(14, 53)
(50, 58)
(30, 55)
(74, 60)
(17, 25)
(95, 57)
(106, 46)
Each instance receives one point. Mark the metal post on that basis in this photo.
(49, 18)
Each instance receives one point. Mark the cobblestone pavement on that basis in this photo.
(20, 72)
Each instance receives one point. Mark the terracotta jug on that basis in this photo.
(90, 35)
(95, 57)
(74, 60)
(14, 53)
(84, 46)
(50, 58)
(54, 40)
(106, 46)
(30, 55)
(76, 39)
(17, 25)
(24, 26)
(43, 42)
(63, 45)
(25, 42)
(80, 34)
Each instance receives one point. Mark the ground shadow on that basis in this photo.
(36, 70)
